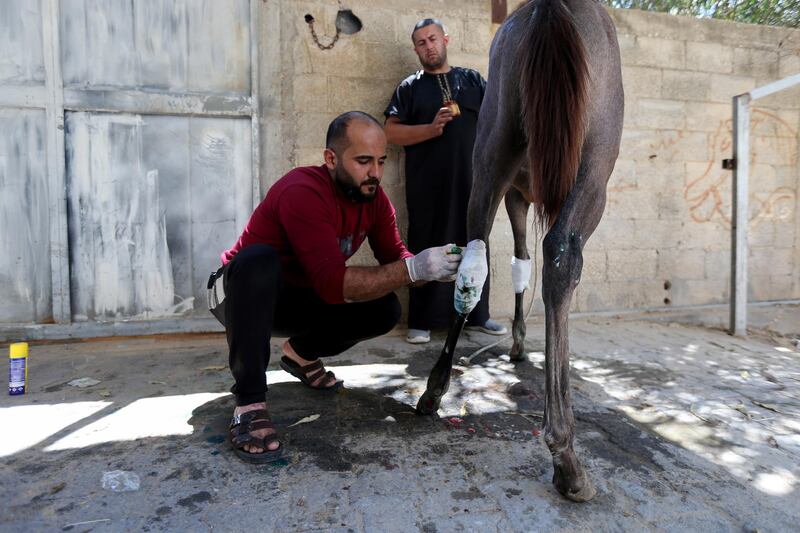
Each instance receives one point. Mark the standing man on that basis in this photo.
(433, 114)
(287, 274)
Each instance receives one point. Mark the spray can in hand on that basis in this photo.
(17, 368)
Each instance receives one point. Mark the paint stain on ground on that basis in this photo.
(216, 439)
(472, 494)
(192, 502)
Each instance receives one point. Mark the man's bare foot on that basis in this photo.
(258, 433)
(323, 381)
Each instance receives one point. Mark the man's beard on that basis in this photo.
(347, 184)
(433, 66)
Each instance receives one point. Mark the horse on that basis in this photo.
(548, 135)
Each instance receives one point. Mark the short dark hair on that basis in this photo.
(427, 22)
(336, 139)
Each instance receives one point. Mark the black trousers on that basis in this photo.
(257, 303)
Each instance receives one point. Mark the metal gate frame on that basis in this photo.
(740, 164)
(55, 101)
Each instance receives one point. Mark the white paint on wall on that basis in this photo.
(120, 261)
(153, 201)
(21, 59)
(24, 221)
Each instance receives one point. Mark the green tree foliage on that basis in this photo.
(770, 12)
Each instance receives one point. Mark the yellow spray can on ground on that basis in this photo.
(17, 368)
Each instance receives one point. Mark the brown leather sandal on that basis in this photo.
(310, 373)
(240, 434)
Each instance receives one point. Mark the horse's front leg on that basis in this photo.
(517, 208)
(494, 165)
(562, 265)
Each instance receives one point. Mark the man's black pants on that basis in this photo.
(257, 304)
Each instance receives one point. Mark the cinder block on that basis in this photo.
(710, 235)
(773, 121)
(613, 295)
(479, 62)
(365, 94)
(708, 117)
(717, 264)
(379, 27)
(653, 52)
(773, 260)
(310, 92)
(686, 85)
(478, 35)
(672, 206)
(709, 57)
(659, 234)
(305, 157)
(788, 64)
(699, 292)
(641, 82)
(633, 205)
(767, 288)
(624, 175)
(755, 63)
(594, 265)
(632, 264)
(311, 129)
(660, 174)
(660, 114)
(772, 150)
(762, 232)
(724, 87)
(612, 233)
(763, 178)
(681, 264)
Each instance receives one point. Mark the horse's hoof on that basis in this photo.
(428, 404)
(578, 490)
(517, 353)
(584, 494)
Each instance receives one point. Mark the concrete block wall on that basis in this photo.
(665, 236)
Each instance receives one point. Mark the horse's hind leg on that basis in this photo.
(517, 208)
(562, 265)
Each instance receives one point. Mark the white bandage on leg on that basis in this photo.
(472, 274)
(520, 274)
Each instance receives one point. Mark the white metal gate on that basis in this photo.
(128, 154)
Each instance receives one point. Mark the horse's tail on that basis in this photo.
(555, 78)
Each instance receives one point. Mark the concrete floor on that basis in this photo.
(681, 427)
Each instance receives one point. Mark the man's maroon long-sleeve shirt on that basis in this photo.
(315, 228)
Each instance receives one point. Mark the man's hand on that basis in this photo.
(439, 263)
(443, 116)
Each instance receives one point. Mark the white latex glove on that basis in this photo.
(471, 276)
(439, 263)
(520, 274)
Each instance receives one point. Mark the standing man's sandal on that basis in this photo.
(240, 435)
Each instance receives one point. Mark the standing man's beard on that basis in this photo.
(347, 184)
(433, 66)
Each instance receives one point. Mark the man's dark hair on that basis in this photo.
(427, 22)
(336, 139)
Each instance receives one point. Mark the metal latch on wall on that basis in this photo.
(729, 164)
(346, 22)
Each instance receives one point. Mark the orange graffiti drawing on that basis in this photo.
(708, 195)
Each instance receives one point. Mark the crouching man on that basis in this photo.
(286, 275)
